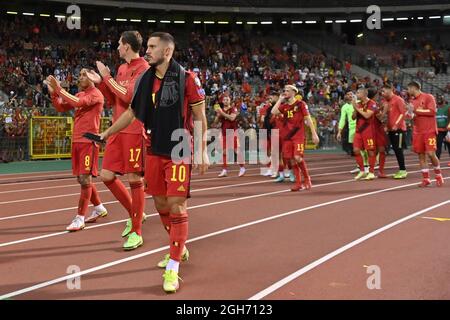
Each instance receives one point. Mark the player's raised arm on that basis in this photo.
(57, 102)
(74, 101)
(276, 107)
(125, 94)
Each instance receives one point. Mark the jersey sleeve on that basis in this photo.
(430, 104)
(125, 94)
(304, 109)
(108, 95)
(401, 106)
(81, 102)
(195, 94)
(59, 103)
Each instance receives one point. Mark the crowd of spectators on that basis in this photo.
(246, 66)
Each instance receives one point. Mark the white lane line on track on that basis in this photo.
(193, 180)
(349, 161)
(209, 235)
(198, 180)
(196, 190)
(156, 214)
(277, 285)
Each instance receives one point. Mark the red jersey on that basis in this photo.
(88, 105)
(226, 123)
(277, 122)
(396, 108)
(119, 92)
(194, 95)
(363, 124)
(294, 118)
(424, 122)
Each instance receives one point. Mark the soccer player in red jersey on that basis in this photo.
(88, 105)
(380, 134)
(226, 116)
(365, 136)
(422, 108)
(278, 122)
(124, 152)
(395, 109)
(177, 100)
(295, 113)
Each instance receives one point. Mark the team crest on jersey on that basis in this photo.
(170, 94)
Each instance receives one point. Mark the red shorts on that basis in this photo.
(84, 159)
(380, 139)
(292, 148)
(165, 178)
(424, 142)
(364, 141)
(124, 153)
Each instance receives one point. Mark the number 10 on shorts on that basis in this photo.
(178, 173)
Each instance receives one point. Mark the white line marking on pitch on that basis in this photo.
(209, 235)
(195, 190)
(318, 262)
(156, 214)
(106, 190)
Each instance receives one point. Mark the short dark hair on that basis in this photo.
(371, 92)
(133, 38)
(163, 36)
(415, 84)
(388, 85)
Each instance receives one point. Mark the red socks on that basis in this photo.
(95, 199)
(85, 196)
(120, 192)
(298, 177)
(165, 219)
(137, 206)
(178, 234)
(359, 161)
(372, 161)
(304, 169)
(425, 174)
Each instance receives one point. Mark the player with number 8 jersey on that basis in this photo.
(88, 105)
